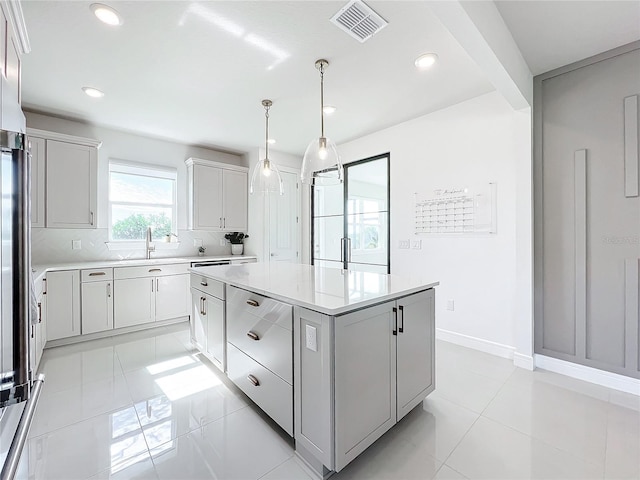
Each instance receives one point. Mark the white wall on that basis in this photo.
(258, 228)
(54, 245)
(469, 143)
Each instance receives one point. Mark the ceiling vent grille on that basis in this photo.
(359, 20)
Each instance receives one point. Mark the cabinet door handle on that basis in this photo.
(152, 286)
(204, 305)
(253, 303)
(39, 312)
(96, 274)
(253, 335)
(91, 213)
(401, 329)
(220, 222)
(201, 307)
(157, 285)
(108, 290)
(151, 270)
(253, 380)
(395, 321)
(204, 284)
(224, 222)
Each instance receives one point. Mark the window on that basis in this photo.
(141, 196)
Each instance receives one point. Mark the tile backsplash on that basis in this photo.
(54, 245)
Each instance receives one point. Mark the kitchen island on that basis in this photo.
(335, 357)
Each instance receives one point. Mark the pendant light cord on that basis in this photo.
(266, 132)
(322, 98)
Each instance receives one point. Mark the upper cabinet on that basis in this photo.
(64, 180)
(217, 196)
(13, 44)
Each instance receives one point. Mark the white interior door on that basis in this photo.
(284, 221)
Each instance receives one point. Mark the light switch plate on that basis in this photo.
(404, 244)
(223, 242)
(197, 242)
(76, 245)
(450, 305)
(416, 244)
(311, 339)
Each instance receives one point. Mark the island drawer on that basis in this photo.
(150, 271)
(96, 275)
(267, 343)
(242, 302)
(267, 390)
(207, 285)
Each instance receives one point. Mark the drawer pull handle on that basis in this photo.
(155, 270)
(253, 303)
(96, 274)
(204, 284)
(253, 380)
(253, 335)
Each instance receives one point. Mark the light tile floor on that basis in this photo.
(145, 405)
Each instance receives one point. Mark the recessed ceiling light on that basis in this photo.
(329, 109)
(93, 92)
(426, 60)
(106, 14)
(271, 141)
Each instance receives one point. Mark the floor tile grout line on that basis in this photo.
(276, 467)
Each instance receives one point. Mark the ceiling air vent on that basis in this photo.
(359, 20)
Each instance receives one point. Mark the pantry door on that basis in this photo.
(284, 220)
(351, 220)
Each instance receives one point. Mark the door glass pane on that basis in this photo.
(328, 201)
(368, 187)
(327, 234)
(365, 267)
(368, 233)
(327, 264)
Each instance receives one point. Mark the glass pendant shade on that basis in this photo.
(321, 164)
(266, 176)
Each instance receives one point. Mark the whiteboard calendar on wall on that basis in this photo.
(457, 210)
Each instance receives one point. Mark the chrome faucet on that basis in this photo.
(150, 248)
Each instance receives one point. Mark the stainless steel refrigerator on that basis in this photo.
(17, 382)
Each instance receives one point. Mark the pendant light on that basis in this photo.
(321, 164)
(266, 176)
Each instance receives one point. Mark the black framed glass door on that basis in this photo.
(351, 221)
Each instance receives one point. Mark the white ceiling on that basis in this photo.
(551, 34)
(196, 72)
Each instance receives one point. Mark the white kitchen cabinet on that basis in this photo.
(71, 191)
(37, 181)
(97, 300)
(172, 296)
(208, 327)
(383, 354)
(234, 200)
(217, 196)
(63, 304)
(133, 303)
(149, 294)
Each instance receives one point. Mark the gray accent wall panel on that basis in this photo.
(580, 239)
(631, 179)
(587, 218)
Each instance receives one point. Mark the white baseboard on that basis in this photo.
(497, 349)
(589, 374)
(524, 361)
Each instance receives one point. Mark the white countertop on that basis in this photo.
(39, 270)
(325, 290)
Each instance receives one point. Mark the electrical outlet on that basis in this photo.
(223, 242)
(450, 305)
(404, 244)
(311, 339)
(76, 245)
(416, 244)
(197, 242)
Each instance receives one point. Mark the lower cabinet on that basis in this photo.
(260, 352)
(149, 294)
(208, 318)
(38, 337)
(379, 361)
(63, 304)
(384, 354)
(97, 300)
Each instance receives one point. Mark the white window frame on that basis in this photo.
(142, 170)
